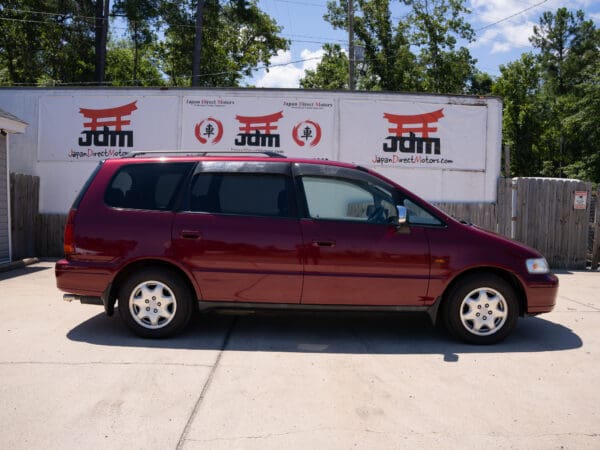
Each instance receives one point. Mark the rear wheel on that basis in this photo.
(481, 309)
(155, 303)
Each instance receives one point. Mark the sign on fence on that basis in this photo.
(580, 201)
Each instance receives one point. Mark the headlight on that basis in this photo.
(537, 265)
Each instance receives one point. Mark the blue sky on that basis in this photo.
(495, 44)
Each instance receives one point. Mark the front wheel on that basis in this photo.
(155, 303)
(481, 309)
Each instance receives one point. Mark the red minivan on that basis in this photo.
(163, 236)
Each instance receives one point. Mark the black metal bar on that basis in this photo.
(203, 153)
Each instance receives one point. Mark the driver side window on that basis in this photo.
(343, 199)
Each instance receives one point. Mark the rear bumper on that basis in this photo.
(81, 279)
(541, 295)
(83, 299)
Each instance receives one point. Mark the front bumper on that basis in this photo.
(541, 294)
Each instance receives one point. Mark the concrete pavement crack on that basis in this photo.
(579, 303)
(98, 363)
(204, 390)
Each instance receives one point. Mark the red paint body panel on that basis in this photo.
(367, 264)
(288, 260)
(246, 259)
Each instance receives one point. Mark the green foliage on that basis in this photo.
(141, 15)
(435, 27)
(120, 66)
(56, 47)
(519, 85)
(416, 54)
(552, 100)
(331, 73)
(237, 37)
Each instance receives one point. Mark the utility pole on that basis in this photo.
(197, 44)
(101, 33)
(351, 43)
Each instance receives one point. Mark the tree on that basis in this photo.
(141, 16)
(567, 44)
(389, 63)
(120, 59)
(53, 44)
(568, 47)
(519, 86)
(237, 37)
(435, 27)
(331, 72)
(480, 83)
(431, 29)
(583, 122)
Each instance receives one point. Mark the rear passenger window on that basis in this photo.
(240, 193)
(146, 186)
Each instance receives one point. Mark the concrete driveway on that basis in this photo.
(73, 378)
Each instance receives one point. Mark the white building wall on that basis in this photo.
(60, 181)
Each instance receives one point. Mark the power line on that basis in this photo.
(511, 16)
(203, 75)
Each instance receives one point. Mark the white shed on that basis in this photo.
(8, 124)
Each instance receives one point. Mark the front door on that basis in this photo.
(354, 255)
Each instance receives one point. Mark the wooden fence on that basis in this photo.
(543, 216)
(24, 198)
(33, 234)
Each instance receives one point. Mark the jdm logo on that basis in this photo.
(208, 128)
(405, 130)
(105, 127)
(307, 132)
(256, 131)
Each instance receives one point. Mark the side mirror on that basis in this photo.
(402, 215)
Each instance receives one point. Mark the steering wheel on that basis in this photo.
(378, 215)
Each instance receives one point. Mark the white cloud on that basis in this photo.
(514, 32)
(287, 74)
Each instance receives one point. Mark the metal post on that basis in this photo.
(351, 43)
(513, 209)
(507, 161)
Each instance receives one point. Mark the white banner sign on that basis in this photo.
(298, 127)
(413, 135)
(87, 128)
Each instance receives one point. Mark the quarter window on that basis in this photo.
(146, 186)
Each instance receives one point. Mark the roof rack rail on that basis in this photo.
(203, 153)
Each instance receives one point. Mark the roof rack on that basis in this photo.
(202, 153)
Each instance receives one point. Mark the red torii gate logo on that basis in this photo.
(99, 134)
(405, 131)
(255, 131)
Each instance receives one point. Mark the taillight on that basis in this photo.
(69, 245)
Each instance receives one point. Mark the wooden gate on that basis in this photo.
(548, 219)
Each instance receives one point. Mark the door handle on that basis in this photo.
(323, 243)
(190, 234)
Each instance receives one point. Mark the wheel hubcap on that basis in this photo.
(152, 304)
(483, 311)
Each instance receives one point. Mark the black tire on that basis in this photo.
(465, 313)
(155, 303)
